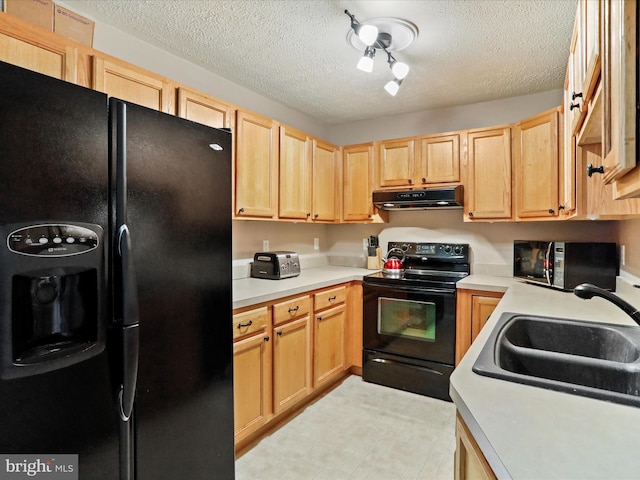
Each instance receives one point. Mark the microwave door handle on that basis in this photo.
(547, 268)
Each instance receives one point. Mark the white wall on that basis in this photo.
(479, 115)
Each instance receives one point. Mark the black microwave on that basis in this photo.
(564, 265)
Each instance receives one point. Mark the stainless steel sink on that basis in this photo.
(591, 359)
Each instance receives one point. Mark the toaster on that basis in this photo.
(275, 265)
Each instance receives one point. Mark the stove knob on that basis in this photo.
(405, 247)
(447, 248)
(457, 249)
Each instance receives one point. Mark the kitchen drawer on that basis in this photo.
(251, 321)
(329, 298)
(290, 309)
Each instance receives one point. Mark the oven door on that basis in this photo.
(412, 322)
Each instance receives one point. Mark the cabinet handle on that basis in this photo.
(560, 207)
(591, 169)
(316, 215)
(574, 105)
(331, 299)
(319, 318)
(470, 214)
(424, 180)
(308, 214)
(266, 339)
(242, 325)
(551, 211)
(410, 181)
(241, 210)
(279, 332)
(294, 309)
(575, 95)
(369, 216)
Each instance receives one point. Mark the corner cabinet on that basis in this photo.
(256, 167)
(473, 309)
(488, 183)
(536, 155)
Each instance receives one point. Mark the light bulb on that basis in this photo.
(368, 34)
(393, 86)
(366, 62)
(400, 70)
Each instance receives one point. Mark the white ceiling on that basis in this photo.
(296, 52)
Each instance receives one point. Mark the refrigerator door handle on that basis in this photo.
(130, 325)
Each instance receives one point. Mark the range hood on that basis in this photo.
(419, 199)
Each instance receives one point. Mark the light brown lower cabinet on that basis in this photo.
(473, 309)
(287, 350)
(470, 463)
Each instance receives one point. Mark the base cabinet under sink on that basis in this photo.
(470, 463)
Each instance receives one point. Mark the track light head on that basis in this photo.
(366, 62)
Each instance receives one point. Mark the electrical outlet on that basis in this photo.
(316, 244)
(622, 254)
(265, 245)
(365, 243)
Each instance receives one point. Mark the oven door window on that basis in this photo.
(407, 318)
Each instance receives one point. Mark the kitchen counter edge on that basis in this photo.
(530, 432)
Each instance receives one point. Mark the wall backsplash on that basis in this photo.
(491, 243)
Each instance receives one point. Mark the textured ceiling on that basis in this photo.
(296, 52)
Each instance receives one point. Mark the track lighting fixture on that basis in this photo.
(377, 34)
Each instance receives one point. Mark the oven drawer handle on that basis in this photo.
(391, 362)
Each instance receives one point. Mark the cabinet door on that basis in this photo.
(329, 344)
(473, 308)
(256, 167)
(295, 174)
(24, 45)
(251, 384)
(488, 187)
(357, 162)
(291, 363)
(482, 307)
(567, 183)
(577, 60)
(590, 18)
(439, 159)
(536, 162)
(201, 108)
(619, 90)
(396, 163)
(470, 463)
(133, 84)
(326, 174)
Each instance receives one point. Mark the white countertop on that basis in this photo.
(251, 291)
(528, 432)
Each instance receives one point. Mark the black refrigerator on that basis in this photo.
(115, 287)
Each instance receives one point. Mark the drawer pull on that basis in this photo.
(319, 318)
(279, 332)
(294, 309)
(242, 325)
(266, 339)
(332, 299)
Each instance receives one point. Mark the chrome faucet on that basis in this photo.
(587, 291)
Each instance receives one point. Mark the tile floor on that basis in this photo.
(359, 431)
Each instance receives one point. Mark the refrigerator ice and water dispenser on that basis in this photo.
(50, 287)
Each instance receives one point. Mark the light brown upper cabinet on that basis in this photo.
(619, 90)
(438, 159)
(326, 175)
(34, 48)
(256, 166)
(130, 83)
(201, 108)
(589, 18)
(396, 162)
(295, 174)
(488, 185)
(536, 151)
(357, 182)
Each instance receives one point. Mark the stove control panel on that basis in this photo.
(440, 251)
